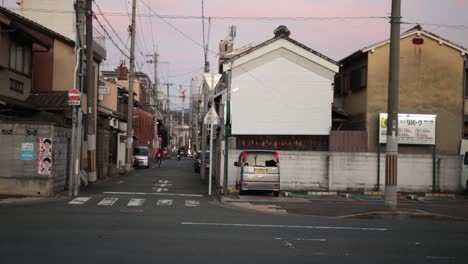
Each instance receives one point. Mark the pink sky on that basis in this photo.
(333, 38)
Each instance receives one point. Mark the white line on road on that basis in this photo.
(79, 200)
(162, 184)
(192, 203)
(164, 181)
(143, 193)
(119, 182)
(290, 226)
(164, 202)
(311, 239)
(284, 242)
(136, 202)
(108, 201)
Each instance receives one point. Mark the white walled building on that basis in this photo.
(58, 15)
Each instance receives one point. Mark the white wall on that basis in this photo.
(62, 23)
(323, 171)
(281, 98)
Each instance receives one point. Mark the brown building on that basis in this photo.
(433, 74)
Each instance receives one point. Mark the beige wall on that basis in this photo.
(136, 88)
(110, 100)
(64, 66)
(431, 82)
(355, 100)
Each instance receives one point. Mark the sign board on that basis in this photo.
(413, 129)
(104, 90)
(211, 117)
(27, 151)
(74, 96)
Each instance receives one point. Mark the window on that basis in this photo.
(20, 58)
(16, 86)
(358, 79)
(465, 159)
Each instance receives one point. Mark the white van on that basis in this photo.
(464, 174)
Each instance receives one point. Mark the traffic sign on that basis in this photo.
(74, 96)
(211, 117)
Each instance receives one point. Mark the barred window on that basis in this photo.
(16, 86)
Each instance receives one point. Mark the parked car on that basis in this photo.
(141, 156)
(197, 162)
(259, 170)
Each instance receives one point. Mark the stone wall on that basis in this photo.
(20, 177)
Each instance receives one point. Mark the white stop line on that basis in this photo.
(290, 226)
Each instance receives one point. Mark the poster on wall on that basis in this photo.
(45, 156)
(27, 151)
(412, 129)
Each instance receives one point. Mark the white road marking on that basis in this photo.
(192, 203)
(136, 202)
(290, 226)
(119, 182)
(164, 181)
(79, 200)
(311, 239)
(160, 189)
(162, 184)
(285, 242)
(143, 193)
(164, 202)
(108, 201)
(436, 257)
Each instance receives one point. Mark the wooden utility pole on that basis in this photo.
(391, 158)
(129, 163)
(155, 98)
(91, 93)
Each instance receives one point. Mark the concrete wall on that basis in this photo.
(335, 171)
(431, 82)
(18, 177)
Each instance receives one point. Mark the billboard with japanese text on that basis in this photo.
(412, 129)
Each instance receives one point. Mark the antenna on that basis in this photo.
(232, 32)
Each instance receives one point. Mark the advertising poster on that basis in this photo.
(27, 151)
(45, 156)
(413, 129)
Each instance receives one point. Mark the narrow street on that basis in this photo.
(163, 215)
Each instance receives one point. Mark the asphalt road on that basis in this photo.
(162, 215)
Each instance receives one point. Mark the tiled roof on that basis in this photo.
(49, 100)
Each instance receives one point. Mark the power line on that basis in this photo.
(109, 36)
(110, 25)
(152, 31)
(175, 28)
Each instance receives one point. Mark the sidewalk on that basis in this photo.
(361, 207)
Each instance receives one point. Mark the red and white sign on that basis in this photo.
(74, 96)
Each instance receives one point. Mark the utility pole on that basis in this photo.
(91, 93)
(155, 107)
(131, 78)
(391, 158)
(75, 157)
(169, 114)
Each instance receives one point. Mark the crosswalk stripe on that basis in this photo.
(108, 201)
(136, 202)
(164, 202)
(192, 203)
(79, 200)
